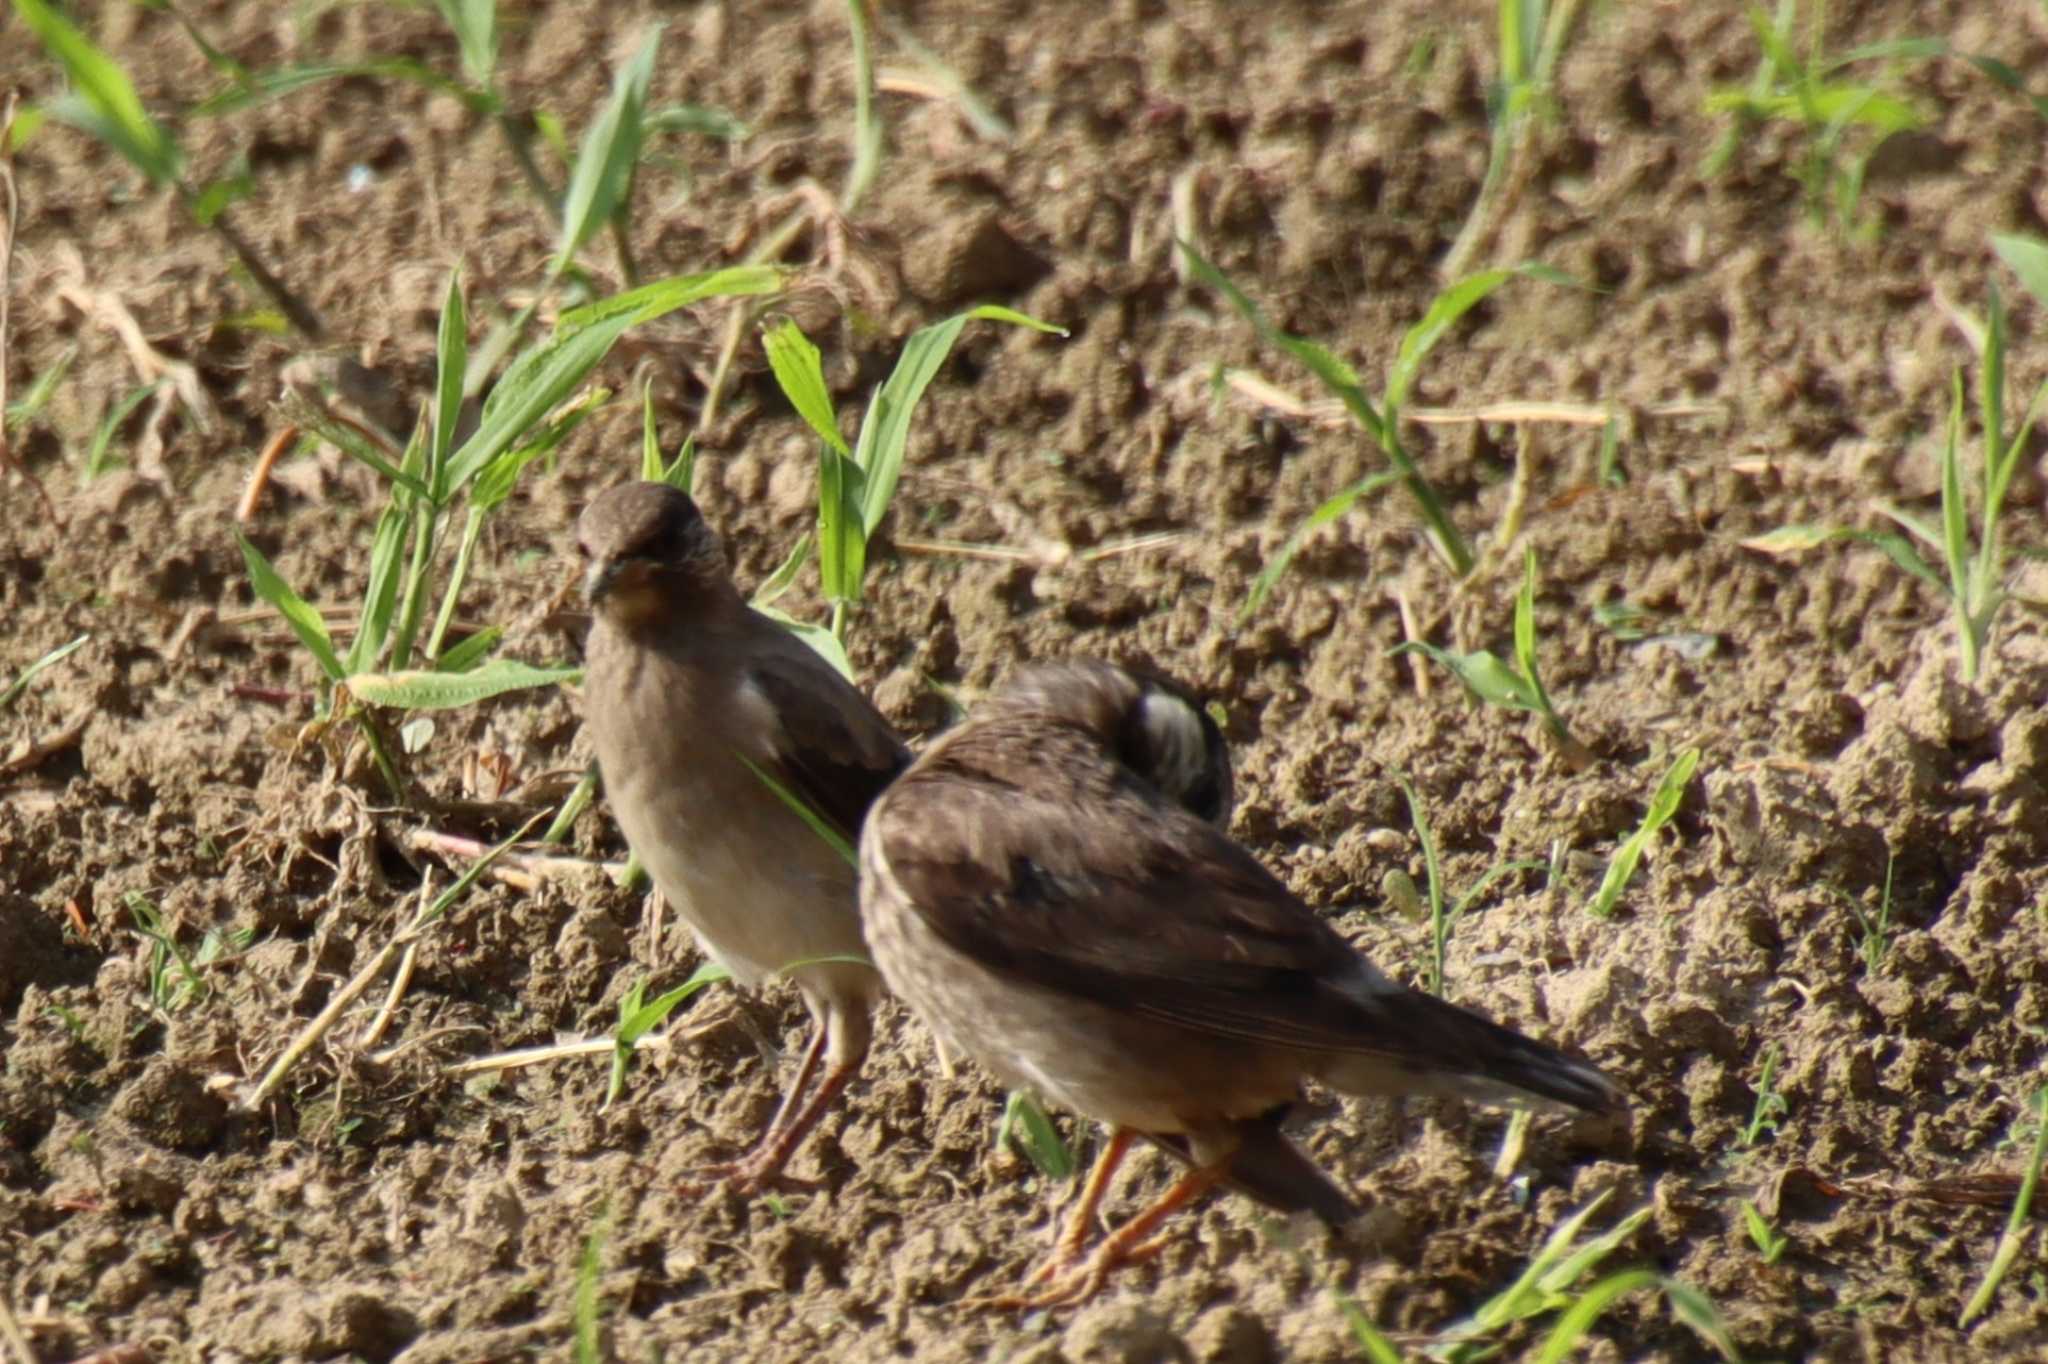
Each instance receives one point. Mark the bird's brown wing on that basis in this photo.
(1120, 900)
(829, 746)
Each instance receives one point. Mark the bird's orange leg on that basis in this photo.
(1066, 1253)
(1131, 1242)
(793, 1122)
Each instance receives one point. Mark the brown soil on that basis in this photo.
(385, 1209)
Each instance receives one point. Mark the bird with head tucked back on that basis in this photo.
(1049, 889)
(709, 720)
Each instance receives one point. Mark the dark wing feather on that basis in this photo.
(833, 748)
(1105, 892)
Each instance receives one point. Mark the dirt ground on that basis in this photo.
(1776, 370)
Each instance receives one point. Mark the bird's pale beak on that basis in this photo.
(598, 580)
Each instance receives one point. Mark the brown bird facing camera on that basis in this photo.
(692, 699)
(1045, 889)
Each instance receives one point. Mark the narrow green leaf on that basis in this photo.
(304, 621)
(799, 370)
(13, 690)
(416, 689)
(1697, 1310)
(464, 656)
(842, 546)
(702, 119)
(104, 102)
(1444, 311)
(1026, 1121)
(265, 86)
(822, 641)
(885, 428)
(802, 808)
(380, 596)
(475, 23)
(661, 296)
(996, 312)
(602, 183)
(779, 582)
(2026, 257)
(1991, 377)
(451, 357)
(1955, 525)
(1331, 509)
(650, 438)
(1663, 805)
(96, 459)
(1576, 1320)
(1483, 674)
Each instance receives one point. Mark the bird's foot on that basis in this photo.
(746, 1177)
(1069, 1279)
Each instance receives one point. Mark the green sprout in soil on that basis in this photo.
(856, 483)
(1519, 687)
(397, 659)
(13, 691)
(1532, 35)
(1442, 920)
(1663, 805)
(1381, 420)
(1026, 1125)
(1770, 1105)
(1555, 1280)
(1770, 1243)
(585, 1302)
(103, 104)
(175, 982)
(1874, 927)
(1974, 556)
(639, 1016)
(2019, 1225)
(1844, 120)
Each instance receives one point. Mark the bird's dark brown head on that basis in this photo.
(1148, 723)
(649, 555)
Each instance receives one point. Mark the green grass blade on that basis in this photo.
(602, 183)
(842, 543)
(418, 689)
(2026, 257)
(13, 691)
(541, 378)
(800, 371)
(475, 23)
(701, 119)
(1439, 922)
(1991, 378)
(1576, 1320)
(304, 621)
(96, 458)
(1697, 1310)
(784, 576)
(380, 595)
(1955, 525)
(451, 359)
(25, 410)
(1483, 674)
(822, 641)
(463, 657)
(1444, 311)
(588, 1340)
(264, 86)
(104, 102)
(1027, 1123)
(1331, 509)
(1663, 805)
(802, 808)
(653, 299)
(2017, 1225)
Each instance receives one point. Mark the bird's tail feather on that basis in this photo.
(1452, 1050)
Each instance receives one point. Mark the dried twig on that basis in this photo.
(32, 752)
(522, 870)
(259, 477)
(10, 1329)
(7, 459)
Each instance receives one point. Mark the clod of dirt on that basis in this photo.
(1123, 1332)
(171, 1107)
(969, 260)
(283, 1318)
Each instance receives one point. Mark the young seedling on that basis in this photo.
(1515, 688)
(527, 413)
(2017, 1227)
(1532, 35)
(1663, 805)
(1770, 1243)
(1874, 928)
(1770, 1105)
(638, 1017)
(1381, 420)
(855, 484)
(13, 691)
(103, 104)
(1443, 921)
(1027, 1125)
(1552, 1282)
(588, 1340)
(1974, 557)
(1833, 110)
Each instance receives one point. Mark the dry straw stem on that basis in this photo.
(10, 1328)
(424, 917)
